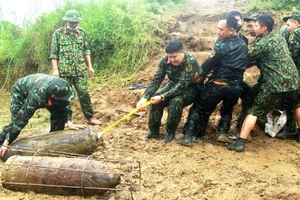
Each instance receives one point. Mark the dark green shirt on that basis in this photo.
(272, 56)
(228, 61)
(70, 48)
(180, 75)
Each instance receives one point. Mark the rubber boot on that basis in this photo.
(151, 135)
(238, 145)
(187, 140)
(169, 138)
(286, 134)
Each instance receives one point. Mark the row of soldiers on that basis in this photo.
(220, 79)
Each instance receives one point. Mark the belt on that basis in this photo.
(220, 83)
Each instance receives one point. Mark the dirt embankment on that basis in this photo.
(269, 169)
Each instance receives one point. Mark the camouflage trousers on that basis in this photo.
(276, 103)
(203, 107)
(175, 107)
(18, 99)
(81, 86)
(263, 100)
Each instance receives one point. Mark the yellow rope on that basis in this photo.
(125, 117)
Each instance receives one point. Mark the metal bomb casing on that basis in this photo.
(58, 175)
(81, 141)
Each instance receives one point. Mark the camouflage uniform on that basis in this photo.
(279, 74)
(29, 94)
(228, 61)
(284, 32)
(178, 92)
(69, 48)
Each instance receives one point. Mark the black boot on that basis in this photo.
(238, 145)
(298, 135)
(287, 134)
(187, 140)
(169, 138)
(151, 135)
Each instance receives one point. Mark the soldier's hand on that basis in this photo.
(3, 150)
(91, 71)
(56, 73)
(72, 126)
(140, 103)
(156, 99)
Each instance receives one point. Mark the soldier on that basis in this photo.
(228, 62)
(179, 92)
(251, 24)
(280, 77)
(70, 57)
(226, 115)
(293, 31)
(31, 93)
(284, 32)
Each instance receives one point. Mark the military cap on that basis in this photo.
(252, 17)
(295, 15)
(72, 16)
(61, 89)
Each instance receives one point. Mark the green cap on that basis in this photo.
(295, 15)
(252, 17)
(72, 16)
(61, 89)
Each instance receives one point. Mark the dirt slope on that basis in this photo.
(268, 170)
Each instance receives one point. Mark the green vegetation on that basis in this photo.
(122, 35)
(274, 5)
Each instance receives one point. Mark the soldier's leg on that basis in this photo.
(230, 96)
(246, 104)
(81, 86)
(200, 112)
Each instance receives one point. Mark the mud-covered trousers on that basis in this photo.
(175, 107)
(210, 97)
(17, 101)
(81, 86)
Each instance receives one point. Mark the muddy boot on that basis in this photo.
(169, 138)
(298, 135)
(196, 139)
(238, 145)
(224, 138)
(151, 135)
(286, 134)
(187, 140)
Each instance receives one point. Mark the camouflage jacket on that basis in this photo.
(294, 47)
(284, 32)
(70, 48)
(228, 60)
(180, 75)
(34, 89)
(272, 56)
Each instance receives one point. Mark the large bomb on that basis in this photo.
(58, 175)
(81, 141)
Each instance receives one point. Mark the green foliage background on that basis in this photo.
(274, 5)
(122, 35)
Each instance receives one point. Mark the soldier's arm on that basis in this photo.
(185, 79)
(54, 54)
(21, 120)
(211, 61)
(294, 45)
(157, 80)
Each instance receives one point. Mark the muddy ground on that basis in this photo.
(269, 169)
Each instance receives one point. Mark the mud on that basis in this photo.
(269, 169)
